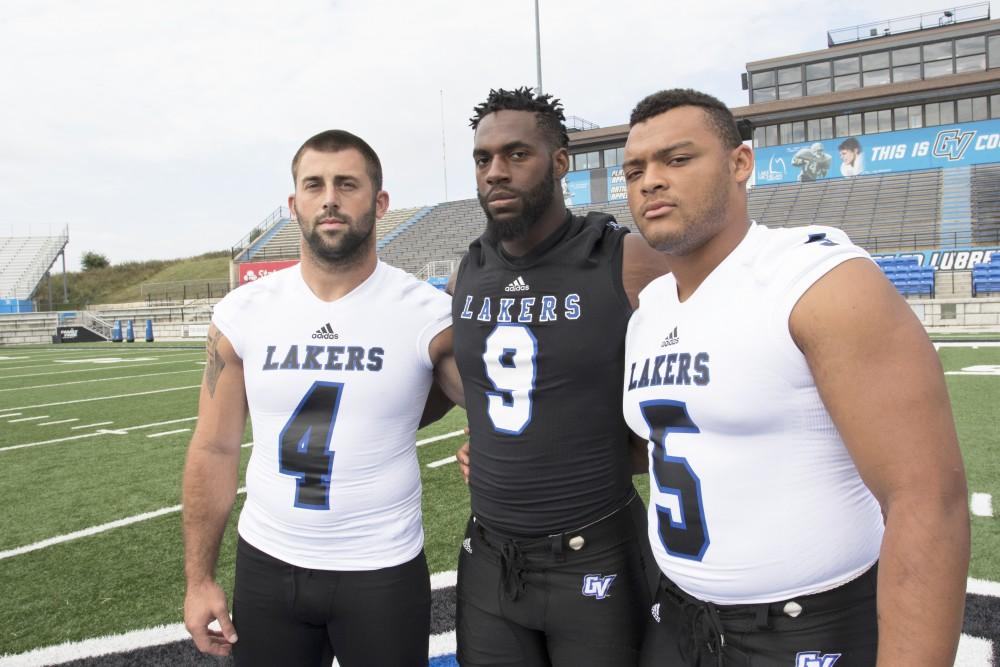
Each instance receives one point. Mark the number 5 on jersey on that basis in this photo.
(304, 445)
(511, 351)
(681, 521)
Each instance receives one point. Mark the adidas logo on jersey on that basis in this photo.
(671, 339)
(517, 285)
(467, 544)
(655, 611)
(326, 331)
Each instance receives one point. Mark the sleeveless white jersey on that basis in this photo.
(754, 497)
(335, 392)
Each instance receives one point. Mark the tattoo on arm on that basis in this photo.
(215, 364)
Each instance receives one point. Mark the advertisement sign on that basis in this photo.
(576, 188)
(960, 259)
(616, 184)
(906, 150)
(251, 271)
(77, 335)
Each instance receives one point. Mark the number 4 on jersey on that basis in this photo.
(681, 525)
(304, 445)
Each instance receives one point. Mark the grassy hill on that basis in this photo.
(122, 283)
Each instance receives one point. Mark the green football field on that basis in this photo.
(91, 455)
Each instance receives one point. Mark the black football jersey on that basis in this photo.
(540, 343)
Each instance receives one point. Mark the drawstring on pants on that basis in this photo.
(511, 569)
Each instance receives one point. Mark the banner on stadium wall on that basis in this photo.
(616, 184)
(959, 259)
(887, 152)
(576, 188)
(251, 271)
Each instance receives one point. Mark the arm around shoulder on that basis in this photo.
(882, 382)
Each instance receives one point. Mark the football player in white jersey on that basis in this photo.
(333, 360)
(808, 497)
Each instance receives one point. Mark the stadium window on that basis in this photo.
(826, 128)
(854, 123)
(764, 95)
(846, 66)
(908, 56)
(874, 61)
(947, 112)
(771, 134)
(818, 87)
(818, 70)
(871, 122)
(979, 111)
(932, 114)
(842, 126)
(994, 43)
(762, 79)
(901, 118)
(614, 156)
(970, 46)
(973, 63)
(758, 137)
(885, 120)
(937, 59)
(785, 133)
(789, 75)
(847, 82)
(916, 114)
(591, 160)
(878, 77)
(963, 113)
(812, 130)
(994, 106)
(906, 73)
(798, 131)
(790, 91)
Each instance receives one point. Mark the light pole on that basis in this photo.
(538, 49)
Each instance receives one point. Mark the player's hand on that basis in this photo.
(203, 604)
(462, 455)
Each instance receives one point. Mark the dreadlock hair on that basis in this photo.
(547, 109)
(718, 113)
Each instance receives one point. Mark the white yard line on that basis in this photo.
(983, 587)
(438, 438)
(49, 442)
(11, 414)
(99, 368)
(61, 421)
(442, 462)
(73, 428)
(104, 398)
(981, 504)
(120, 431)
(28, 419)
(121, 377)
(160, 435)
(95, 530)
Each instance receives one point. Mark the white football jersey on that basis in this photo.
(753, 495)
(335, 391)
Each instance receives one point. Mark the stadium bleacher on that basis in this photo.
(24, 261)
(986, 276)
(908, 276)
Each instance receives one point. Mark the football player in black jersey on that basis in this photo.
(552, 568)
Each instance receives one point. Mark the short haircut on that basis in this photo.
(718, 113)
(548, 112)
(334, 141)
(849, 144)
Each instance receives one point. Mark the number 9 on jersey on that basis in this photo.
(510, 360)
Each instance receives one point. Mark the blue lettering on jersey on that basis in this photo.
(572, 304)
(327, 358)
(466, 313)
(689, 370)
(505, 305)
(525, 315)
(572, 309)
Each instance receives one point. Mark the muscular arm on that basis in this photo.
(882, 382)
(447, 388)
(211, 476)
(641, 264)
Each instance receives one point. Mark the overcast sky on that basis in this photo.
(164, 129)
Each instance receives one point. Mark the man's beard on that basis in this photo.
(346, 249)
(534, 203)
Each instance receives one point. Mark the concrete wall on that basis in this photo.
(958, 314)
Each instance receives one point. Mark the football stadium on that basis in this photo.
(890, 133)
